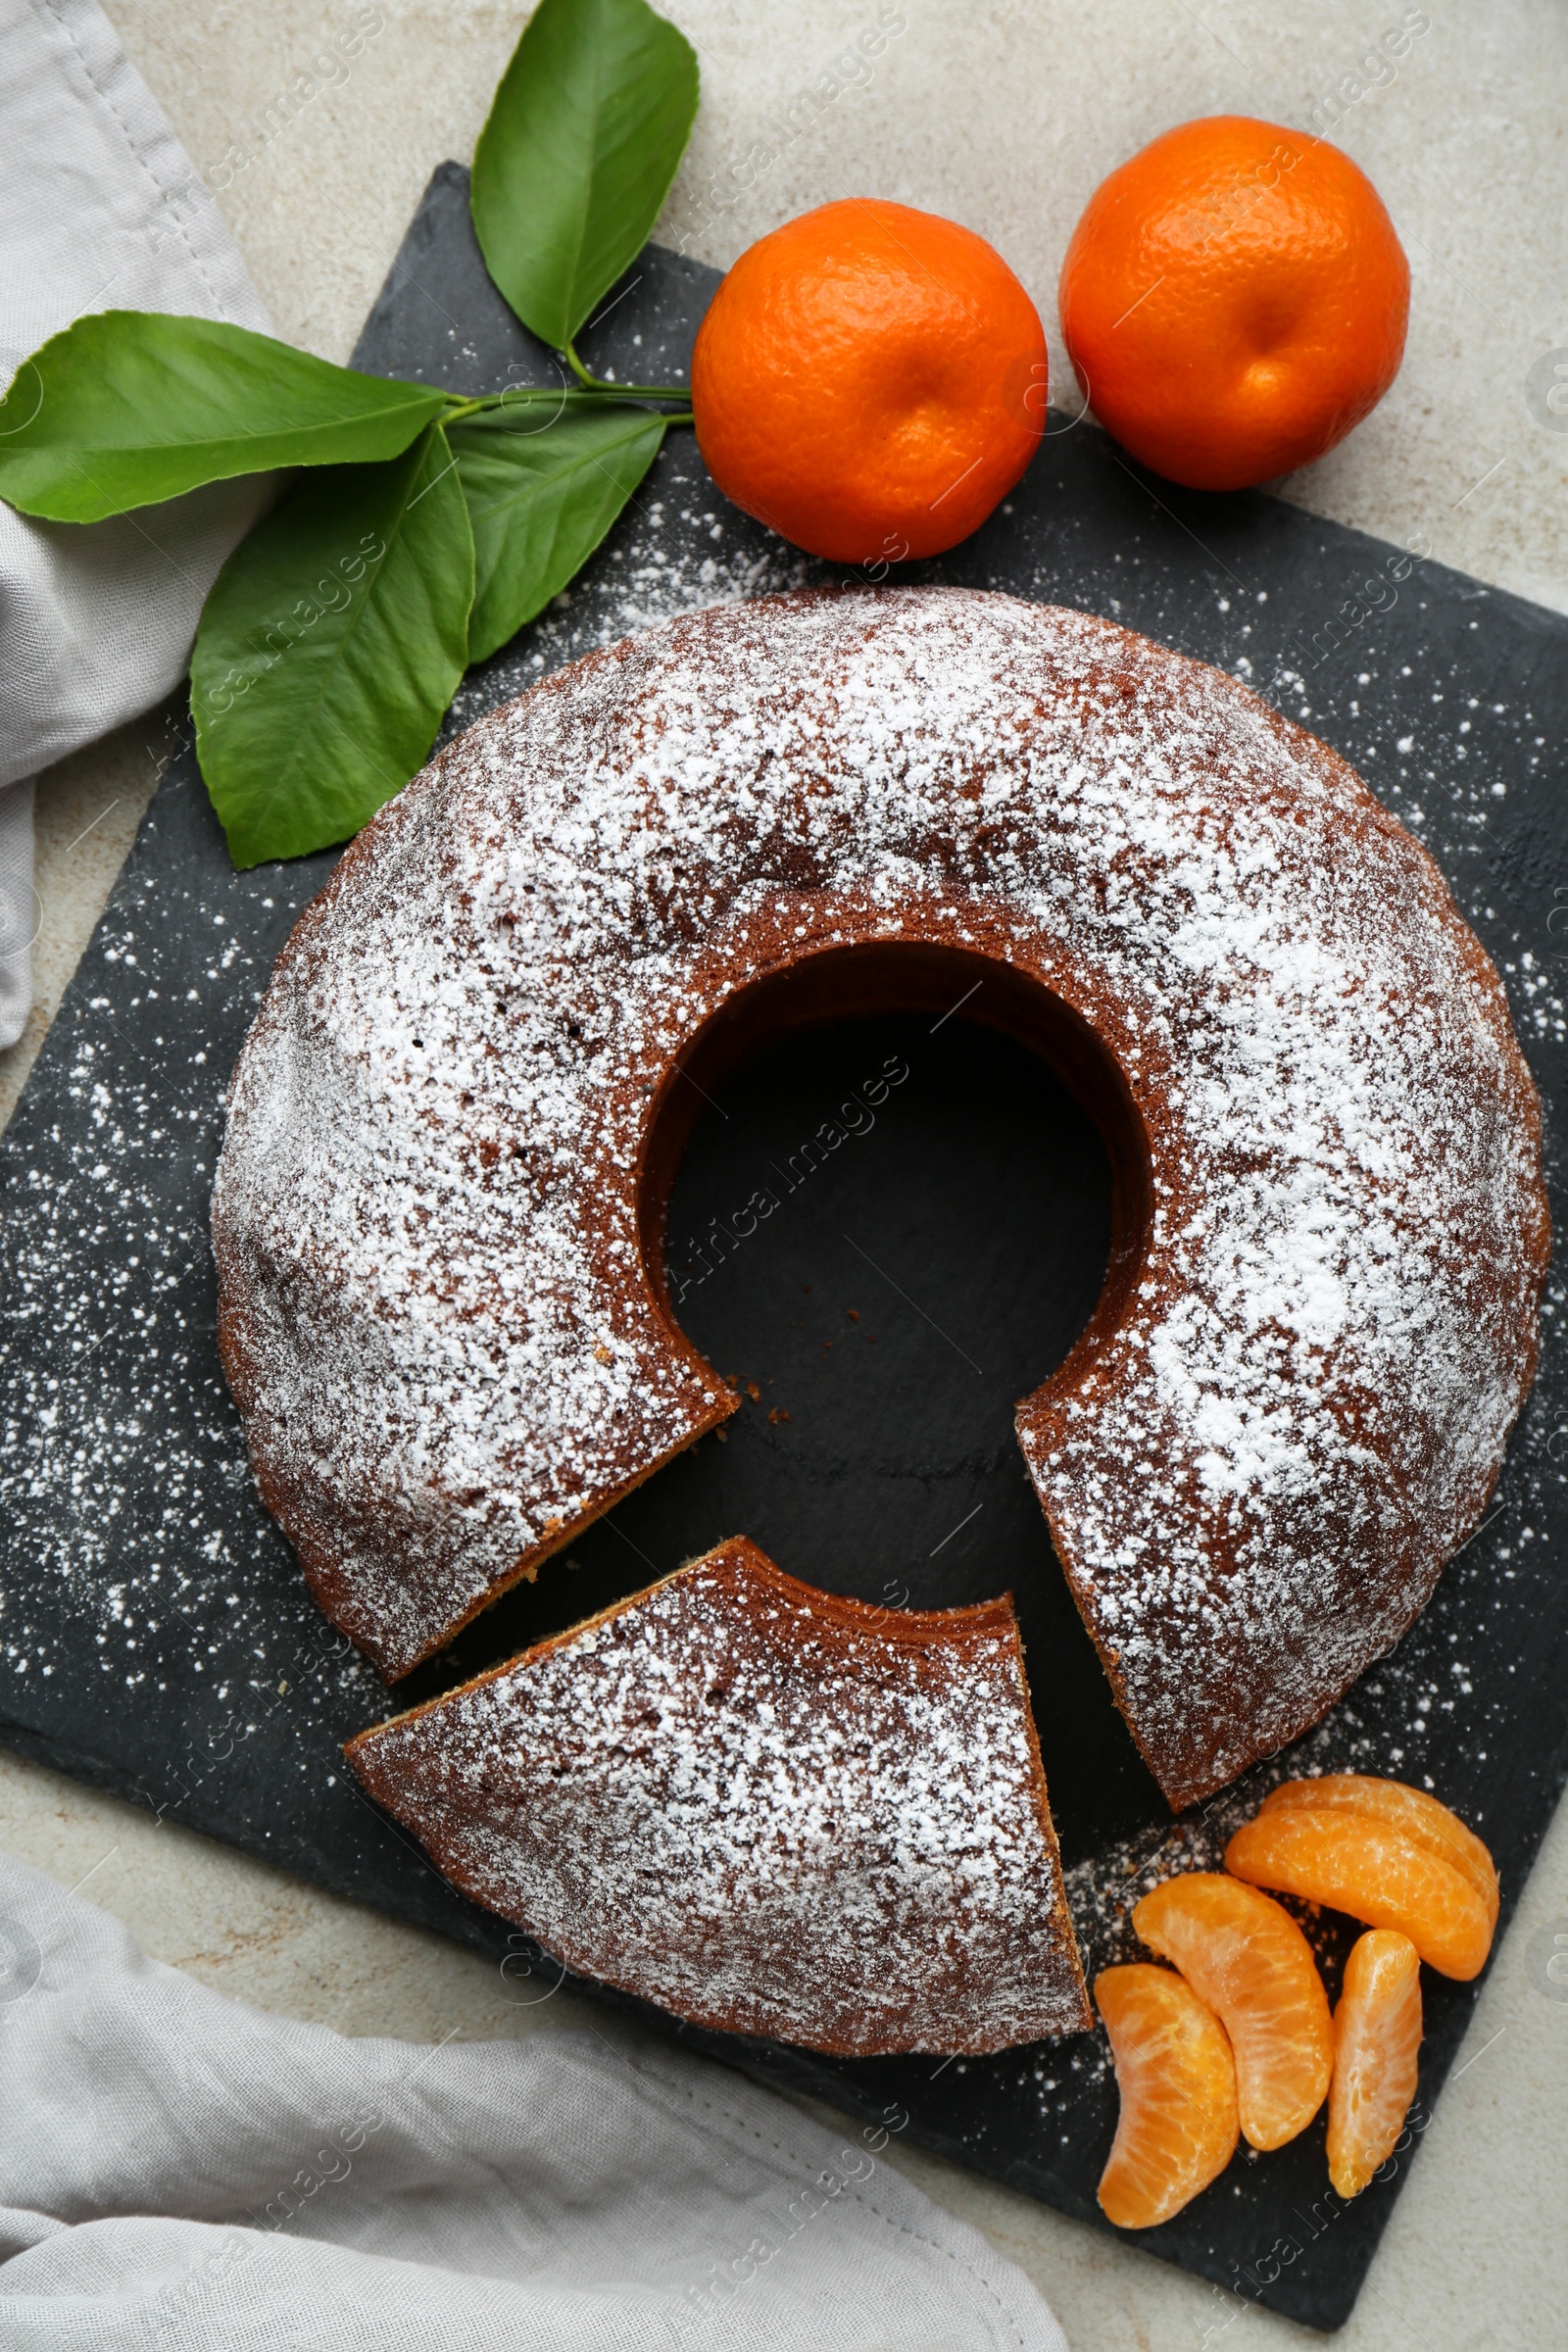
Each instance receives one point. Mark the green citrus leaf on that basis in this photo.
(329, 649)
(126, 408)
(587, 129)
(541, 492)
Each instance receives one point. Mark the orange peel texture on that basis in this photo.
(868, 381)
(1234, 300)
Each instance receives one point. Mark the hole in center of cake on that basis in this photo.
(883, 1227)
(884, 1235)
(884, 1238)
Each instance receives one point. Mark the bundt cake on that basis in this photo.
(768, 1809)
(438, 1214)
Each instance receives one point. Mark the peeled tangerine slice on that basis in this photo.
(1387, 1854)
(766, 1808)
(1377, 2040)
(1422, 1818)
(1245, 1956)
(1178, 2129)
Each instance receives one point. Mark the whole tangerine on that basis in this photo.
(869, 381)
(1233, 301)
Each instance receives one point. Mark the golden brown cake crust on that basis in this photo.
(437, 1215)
(769, 1809)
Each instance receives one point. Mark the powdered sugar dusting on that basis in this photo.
(439, 1326)
(771, 1812)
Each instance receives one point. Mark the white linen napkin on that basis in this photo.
(99, 210)
(182, 2173)
(20, 910)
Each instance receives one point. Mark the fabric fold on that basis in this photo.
(100, 209)
(182, 2173)
(20, 910)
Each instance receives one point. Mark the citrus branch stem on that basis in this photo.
(584, 401)
(600, 383)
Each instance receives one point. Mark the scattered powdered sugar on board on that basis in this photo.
(441, 1332)
(770, 1811)
(141, 1577)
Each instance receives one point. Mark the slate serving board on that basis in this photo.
(156, 1636)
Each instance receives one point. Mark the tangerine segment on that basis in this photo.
(1377, 2040)
(1358, 1863)
(1245, 1956)
(1421, 1817)
(1177, 2129)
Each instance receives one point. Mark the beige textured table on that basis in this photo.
(1005, 116)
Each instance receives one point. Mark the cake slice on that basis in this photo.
(765, 1808)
